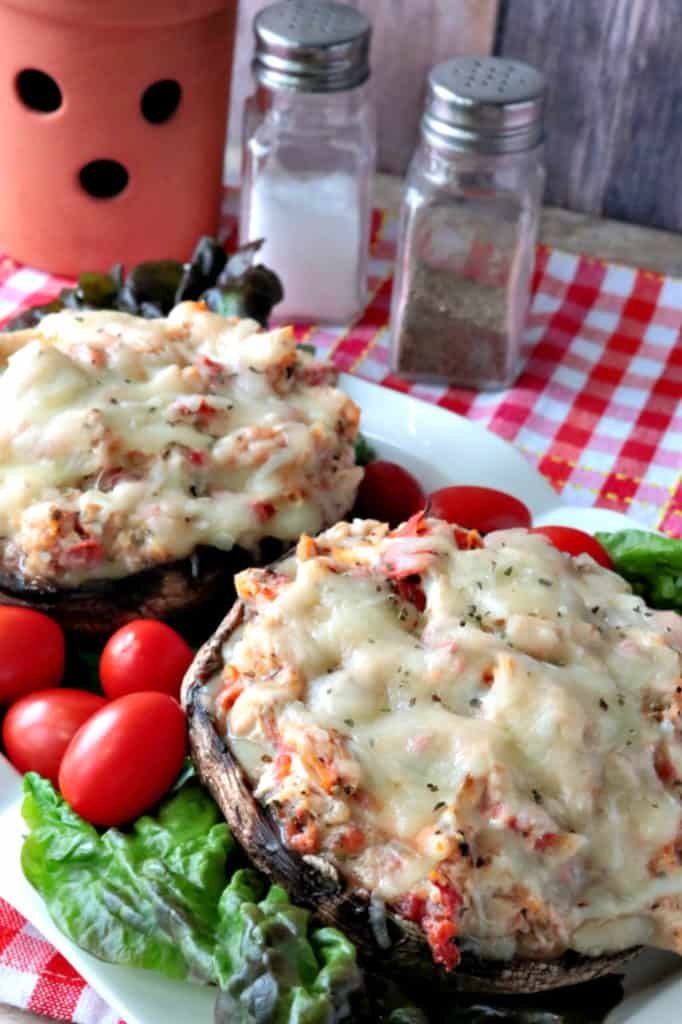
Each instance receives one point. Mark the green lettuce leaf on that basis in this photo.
(272, 969)
(651, 563)
(232, 284)
(160, 896)
(147, 898)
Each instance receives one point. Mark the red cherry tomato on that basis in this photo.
(388, 493)
(144, 655)
(124, 758)
(31, 652)
(479, 508)
(575, 542)
(38, 728)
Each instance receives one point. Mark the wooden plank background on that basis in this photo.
(410, 36)
(614, 116)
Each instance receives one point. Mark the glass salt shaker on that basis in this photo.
(308, 157)
(469, 225)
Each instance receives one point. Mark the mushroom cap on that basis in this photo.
(314, 883)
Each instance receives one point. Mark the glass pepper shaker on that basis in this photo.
(469, 225)
(308, 156)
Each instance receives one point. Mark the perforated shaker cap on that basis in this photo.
(311, 46)
(484, 105)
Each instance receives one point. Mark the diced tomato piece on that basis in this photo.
(467, 540)
(441, 937)
(282, 764)
(230, 692)
(447, 897)
(201, 415)
(86, 551)
(440, 926)
(546, 840)
(327, 774)
(410, 590)
(212, 368)
(263, 510)
(196, 456)
(353, 840)
(663, 765)
(412, 907)
(302, 837)
(400, 565)
(436, 917)
(254, 583)
(416, 526)
(271, 592)
(97, 358)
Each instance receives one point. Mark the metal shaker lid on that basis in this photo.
(484, 105)
(311, 46)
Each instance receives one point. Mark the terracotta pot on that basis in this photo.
(95, 167)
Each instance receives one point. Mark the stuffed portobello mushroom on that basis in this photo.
(465, 752)
(143, 461)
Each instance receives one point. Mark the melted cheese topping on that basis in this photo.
(493, 729)
(127, 442)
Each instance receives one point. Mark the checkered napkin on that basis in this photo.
(598, 410)
(36, 977)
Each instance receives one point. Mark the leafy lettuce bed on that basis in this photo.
(233, 285)
(162, 897)
(651, 562)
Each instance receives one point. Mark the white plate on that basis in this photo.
(441, 448)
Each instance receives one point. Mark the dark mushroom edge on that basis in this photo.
(190, 593)
(314, 883)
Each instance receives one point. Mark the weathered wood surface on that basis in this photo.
(410, 36)
(614, 116)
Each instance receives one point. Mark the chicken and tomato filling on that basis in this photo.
(126, 443)
(484, 734)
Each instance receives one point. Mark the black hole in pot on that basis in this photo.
(38, 91)
(103, 179)
(161, 100)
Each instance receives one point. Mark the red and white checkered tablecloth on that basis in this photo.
(598, 409)
(34, 976)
